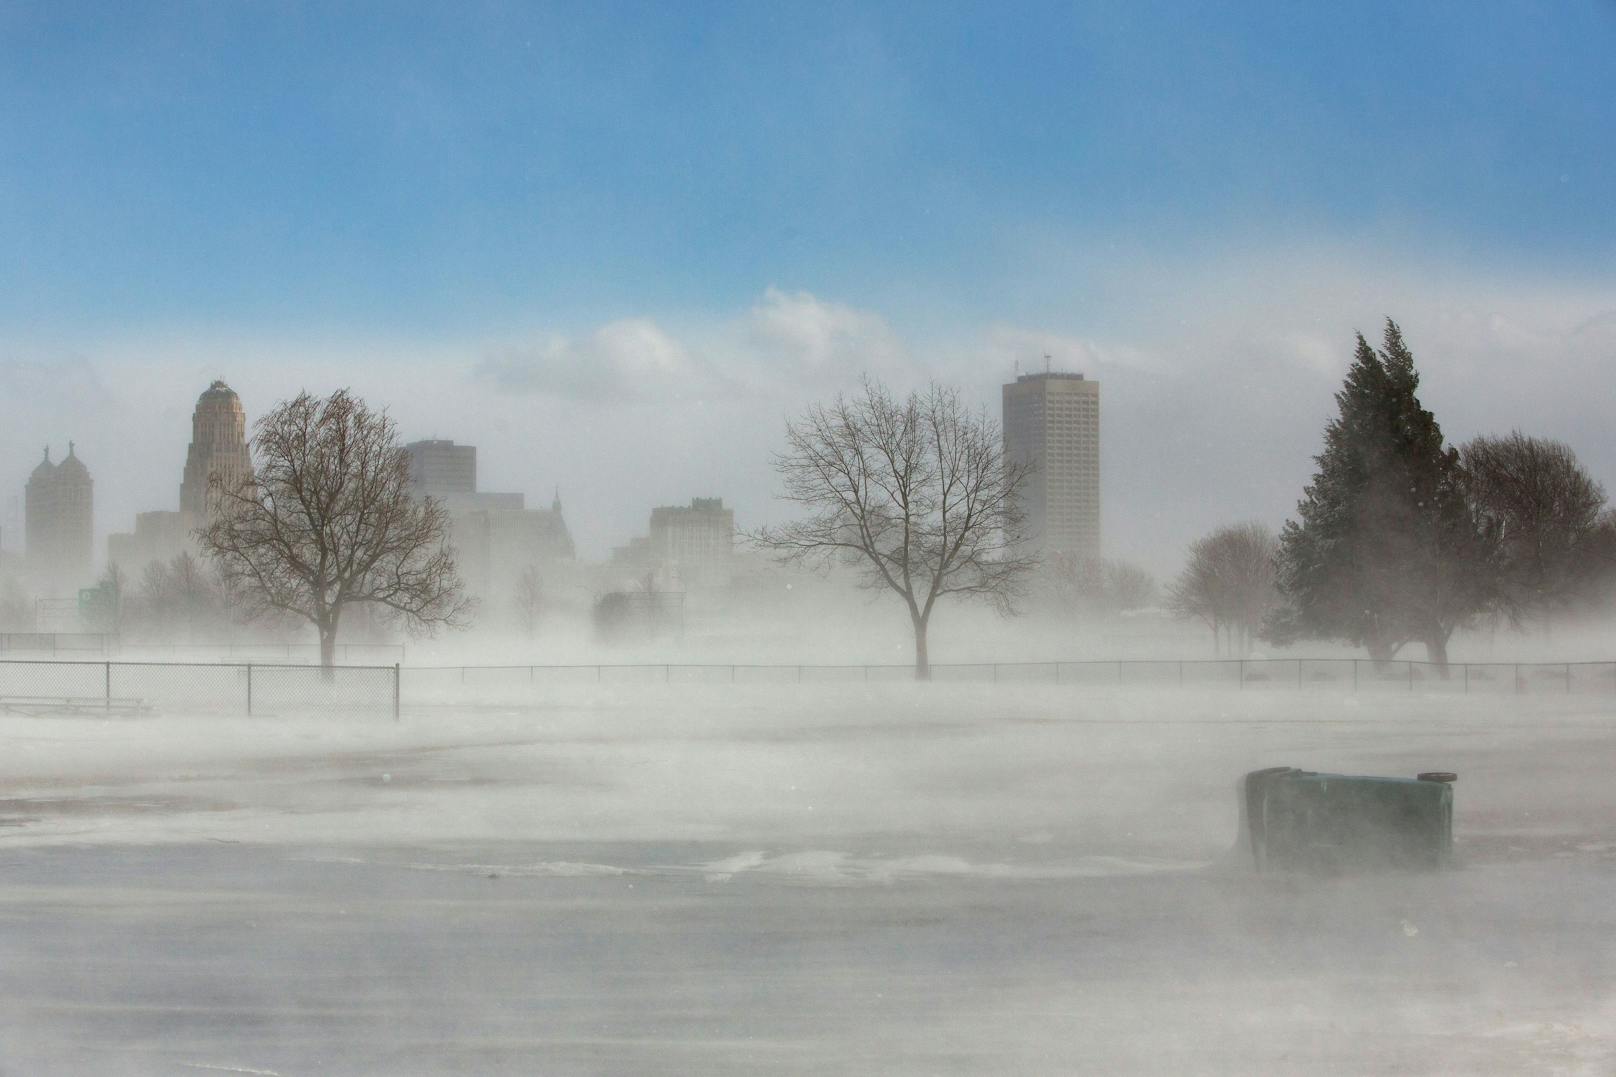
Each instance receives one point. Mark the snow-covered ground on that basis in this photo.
(884, 879)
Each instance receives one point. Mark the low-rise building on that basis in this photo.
(687, 547)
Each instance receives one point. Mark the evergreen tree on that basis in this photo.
(1387, 550)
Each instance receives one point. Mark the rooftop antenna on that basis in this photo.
(1018, 368)
(1046, 362)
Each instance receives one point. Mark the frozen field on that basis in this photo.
(945, 879)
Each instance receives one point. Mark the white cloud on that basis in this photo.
(631, 359)
(786, 341)
(1215, 392)
(798, 337)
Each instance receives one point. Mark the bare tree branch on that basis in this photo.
(326, 520)
(917, 492)
(1545, 512)
(1228, 584)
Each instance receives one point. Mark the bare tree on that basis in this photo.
(916, 492)
(1096, 586)
(1546, 513)
(153, 604)
(16, 608)
(110, 605)
(326, 520)
(529, 599)
(181, 594)
(1128, 587)
(1228, 584)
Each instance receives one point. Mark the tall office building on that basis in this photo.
(495, 536)
(1052, 421)
(441, 467)
(60, 521)
(218, 447)
(696, 543)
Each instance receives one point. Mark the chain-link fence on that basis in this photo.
(82, 645)
(252, 688)
(451, 683)
(259, 652)
(60, 687)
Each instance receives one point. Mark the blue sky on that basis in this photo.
(564, 201)
(456, 166)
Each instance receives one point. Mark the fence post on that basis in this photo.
(1119, 672)
(1568, 678)
(995, 673)
(249, 689)
(799, 674)
(1519, 687)
(1298, 674)
(667, 675)
(1181, 673)
(109, 687)
(1467, 678)
(1242, 673)
(732, 673)
(1354, 676)
(396, 690)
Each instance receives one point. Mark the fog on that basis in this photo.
(1214, 395)
(900, 879)
(747, 539)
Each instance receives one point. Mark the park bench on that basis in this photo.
(43, 706)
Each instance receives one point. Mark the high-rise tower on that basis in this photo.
(439, 467)
(1052, 422)
(218, 447)
(60, 520)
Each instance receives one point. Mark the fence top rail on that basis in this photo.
(1111, 663)
(238, 645)
(101, 664)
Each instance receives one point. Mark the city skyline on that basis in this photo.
(627, 275)
(600, 522)
(868, 537)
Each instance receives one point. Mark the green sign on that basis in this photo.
(98, 605)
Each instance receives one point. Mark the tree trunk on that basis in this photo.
(328, 644)
(922, 663)
(1380, 652)
(1436, 651)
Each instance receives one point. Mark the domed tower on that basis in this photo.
(38, 499)
(218, 447)
(60, 508)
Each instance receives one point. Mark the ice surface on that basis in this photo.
(839, 879)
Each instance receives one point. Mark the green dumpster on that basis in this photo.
(1302, 820)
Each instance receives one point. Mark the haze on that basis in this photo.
(605, 783)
